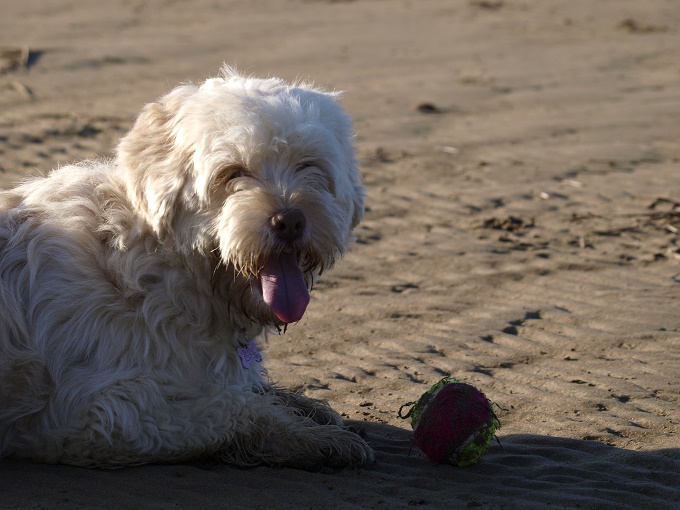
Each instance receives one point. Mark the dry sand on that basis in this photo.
(523, 237)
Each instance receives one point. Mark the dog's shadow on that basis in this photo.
(523, 471)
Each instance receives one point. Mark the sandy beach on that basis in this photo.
(522, 233)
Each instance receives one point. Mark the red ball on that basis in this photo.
(453, 422)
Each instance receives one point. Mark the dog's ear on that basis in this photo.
(153, 161)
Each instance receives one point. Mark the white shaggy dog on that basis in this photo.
(132, 291)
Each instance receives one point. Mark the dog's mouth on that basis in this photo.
(284, 288)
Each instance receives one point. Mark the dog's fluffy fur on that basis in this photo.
(127, 286)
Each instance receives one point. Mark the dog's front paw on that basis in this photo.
(352, 452)
(329, 446)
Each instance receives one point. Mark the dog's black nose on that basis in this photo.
(289, 225)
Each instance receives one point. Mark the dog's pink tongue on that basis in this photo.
(284, 288)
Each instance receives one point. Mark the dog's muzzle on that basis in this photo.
(283, 283)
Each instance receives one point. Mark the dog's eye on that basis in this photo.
(228, 173)
(240, 172)
(302, 166)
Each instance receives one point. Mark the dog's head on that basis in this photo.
(259, 171)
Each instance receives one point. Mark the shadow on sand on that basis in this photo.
(527, 471)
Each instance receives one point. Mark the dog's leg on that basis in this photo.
(138, 421)
(277, 434)
(315, 409)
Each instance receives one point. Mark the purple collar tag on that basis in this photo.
(249, 354)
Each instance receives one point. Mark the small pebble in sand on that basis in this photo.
(426, 108)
